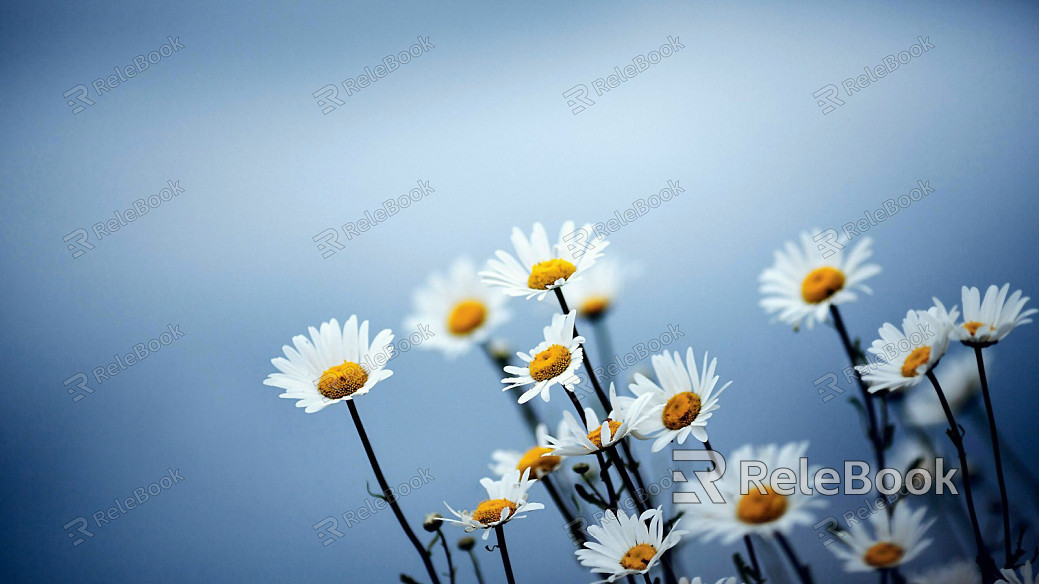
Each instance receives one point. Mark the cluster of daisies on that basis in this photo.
(464, 307)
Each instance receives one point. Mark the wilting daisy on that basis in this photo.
(761, 511)
(458, 310)
(802, 284)
(986, 321)
(554, 360)
(685, 395)
(333, 365)
(595, 293)
(506, 499)
(543, 267)
(905, 356)
(539, 459)
(894, 542)
(959, 572)
(961, 383)
(1027, 577)
(593, 436)
(626, 545)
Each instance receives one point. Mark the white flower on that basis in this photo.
(913, 453)
(595, 293)
(959, 572)
(626, 545)
(757, 512)
(1027, 577)
(986, 322)
(893, 543)
(905, 356)
(960, 382)
(554, 360)
(685, 395)
(458, 310)
(506, 499)
(535, 459)
(802, 284)
(542, 267)
(333, 365)
(579, 439)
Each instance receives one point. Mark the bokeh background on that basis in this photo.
(232, 260)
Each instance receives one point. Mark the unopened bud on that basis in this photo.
(466, 543)
(581, 468)
(432, 522)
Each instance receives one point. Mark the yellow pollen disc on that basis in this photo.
(973, 326)
(550, 363)
(466, 317)
(342, 380)
(596, 435)
(883, 555)
(545, 273)
(539, 465)
(638, 557)
(756, 508)
(918, 357)
(490, 511)
(681, 410)
(595, 306)
(821, 283)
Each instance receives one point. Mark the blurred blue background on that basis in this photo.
(481, 116)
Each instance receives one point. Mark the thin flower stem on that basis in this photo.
(476, 566)
(646, 576)
(994, 437)
(571, 521)
(388, 495)
(603, 471)
(447, 553)
(530, 417)
(803, 573)
(594, 489)
(985, 562)
(611, 452)
(605, 401)
(503, 549)
(753, 556)
(602, 339)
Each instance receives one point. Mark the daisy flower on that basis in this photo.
(892, 544)
(458, 310)
(535, 459)
(594, 294)
(760, 511)
(961, 383)
(626, 545)
(554, 360)
(506, 499)
(802, 284)
(905, 356)
(542, 267)
(594, 436)
(685, 395)
(986, 321)
(1027, 577)
(333, 365)
(959, 572)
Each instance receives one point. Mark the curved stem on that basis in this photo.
(476, 566)
(447, 553)
(503, 549)
(388, 495)
(571, 521)
(605, 401)
(802, 570)
(753, 556)
(994, 437)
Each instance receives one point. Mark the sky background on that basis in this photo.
(481, 116)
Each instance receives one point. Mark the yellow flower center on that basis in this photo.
(821, 283)
(596, 435)
(883, 555)
(550, 363)
(595, 306)
(466, 317)
(490, 511)
(538, 464)
(546, 273)
(638, 557)
(757, 508)
(918, 357)
(973, 326)
(681, 410)
(342, 380)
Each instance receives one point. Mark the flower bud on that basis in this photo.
(466, 543)
(432, 522)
